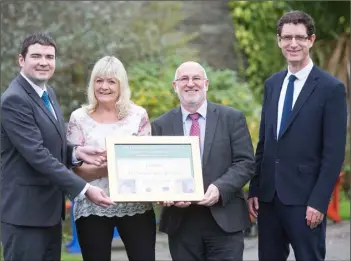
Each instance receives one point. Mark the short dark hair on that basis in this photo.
(42, 38)
(296, 17)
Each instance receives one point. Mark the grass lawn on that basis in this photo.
(344, 207)
(71, 257)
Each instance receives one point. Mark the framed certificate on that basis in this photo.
(154, 168)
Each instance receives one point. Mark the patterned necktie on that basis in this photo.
(195, 126)
(46, 100)
(288, 102)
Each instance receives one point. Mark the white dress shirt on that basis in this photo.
(298, 84)
(40, 92)
(202, 122)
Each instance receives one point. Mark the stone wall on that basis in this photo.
(212, 20)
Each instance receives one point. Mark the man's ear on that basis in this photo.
(174, 84)
(20, 60)
(278, 41)
(311, 40)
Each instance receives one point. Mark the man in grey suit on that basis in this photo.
(213, 228)
(34, 156)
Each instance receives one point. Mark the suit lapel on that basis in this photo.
(211, 124)
(275, 100)
(59, 121)
(177, 122)
(307, 89)
(35, 97)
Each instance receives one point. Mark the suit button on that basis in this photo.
(277, 161)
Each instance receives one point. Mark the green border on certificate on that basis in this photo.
(152, 151)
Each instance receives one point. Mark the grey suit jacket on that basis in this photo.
(228, 162)
(34, 155)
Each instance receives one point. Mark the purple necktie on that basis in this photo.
(195, 126)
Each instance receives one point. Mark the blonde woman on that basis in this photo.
(110, 112)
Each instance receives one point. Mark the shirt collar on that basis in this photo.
(202, 111)
(303, 73)
(37, 88)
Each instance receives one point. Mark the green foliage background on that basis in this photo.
(151, 85)
(255, 30)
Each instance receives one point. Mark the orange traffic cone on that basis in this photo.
(333, 208)
(68, 205)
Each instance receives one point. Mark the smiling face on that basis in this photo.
(295, 44)
(39, 63)
(191, 85)
(106, 89)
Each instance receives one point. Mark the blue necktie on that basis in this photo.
(46, 100)
(288, 102)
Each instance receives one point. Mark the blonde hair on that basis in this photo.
(110, 66)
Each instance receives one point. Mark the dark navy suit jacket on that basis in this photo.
(302, 166)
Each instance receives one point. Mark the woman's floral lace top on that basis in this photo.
(84, 130)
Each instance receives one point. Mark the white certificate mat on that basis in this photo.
(151, 168)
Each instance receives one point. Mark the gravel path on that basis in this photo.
(338, 245)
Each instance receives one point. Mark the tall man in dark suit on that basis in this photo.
(34, 152)
(300, 150)
(213, 228)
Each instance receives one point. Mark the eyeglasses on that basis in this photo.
(289, 38)
(184, 80)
